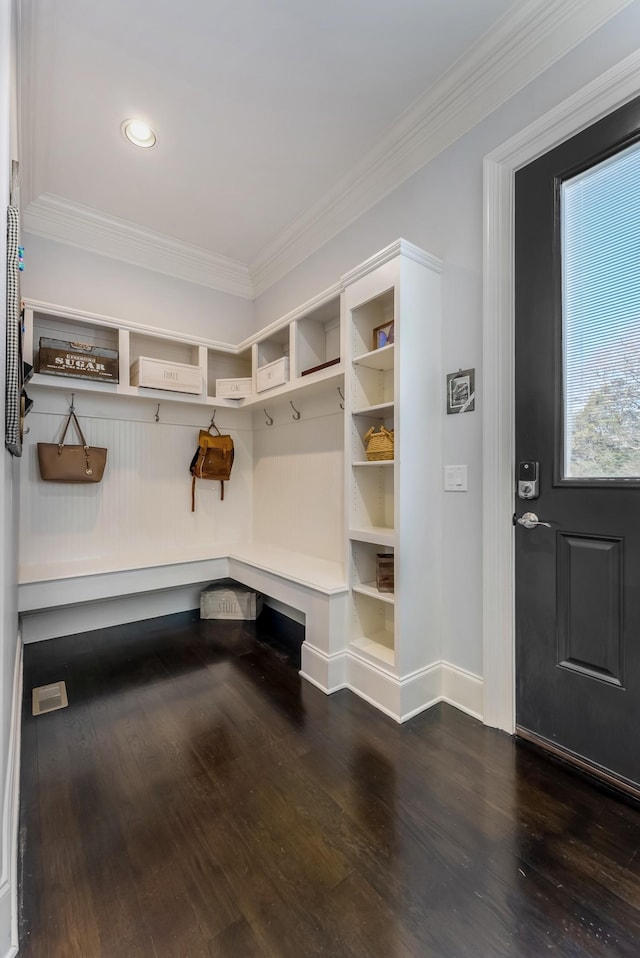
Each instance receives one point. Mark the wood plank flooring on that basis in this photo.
(197, 799)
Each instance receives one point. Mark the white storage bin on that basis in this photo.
(273, 374)
(228, 599)
(234, 388)
(161, 374)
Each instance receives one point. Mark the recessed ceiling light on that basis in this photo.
(138, 133)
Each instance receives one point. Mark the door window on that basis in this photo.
(600, 237)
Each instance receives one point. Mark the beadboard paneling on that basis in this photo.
(298, 478)
(141, 512)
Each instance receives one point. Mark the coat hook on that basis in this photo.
(158, 413)
(341, 397)
(268, 418)
(72, 407)
(213, 418)
(296, 414)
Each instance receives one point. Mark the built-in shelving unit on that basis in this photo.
(393, 638)
(385, 645)
(308, 340)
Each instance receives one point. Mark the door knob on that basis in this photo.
(530, 520)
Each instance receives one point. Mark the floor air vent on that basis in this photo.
(48, 698)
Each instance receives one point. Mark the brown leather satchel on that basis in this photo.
(213, 460)
(68, 463)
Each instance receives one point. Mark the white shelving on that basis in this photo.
(383, 645)
(308, 338)
(393, 638)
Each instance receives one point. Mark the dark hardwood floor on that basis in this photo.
(197, 799)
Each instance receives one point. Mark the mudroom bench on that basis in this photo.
(313, 589)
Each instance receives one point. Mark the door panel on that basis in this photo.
(577, 582)
(590, 577)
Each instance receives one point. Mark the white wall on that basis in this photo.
(74, 278)
(298, 468)
(8, 505)
(440, 209)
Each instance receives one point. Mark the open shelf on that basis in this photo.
(370, 589)
(227, 365)
(374, 462)
(382, 410)
(316, 338)
(381, 359)
(378, 535)
(375, 648)
(368, 317)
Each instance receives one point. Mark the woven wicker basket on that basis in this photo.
(379, 445)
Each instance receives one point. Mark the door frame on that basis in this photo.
(612, 89)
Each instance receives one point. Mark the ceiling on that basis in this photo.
(266, 113)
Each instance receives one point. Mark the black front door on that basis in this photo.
(578, 434)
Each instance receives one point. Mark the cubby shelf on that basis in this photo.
(310, 338)
(373, 462)
(379, 411)
(380, 359)
(378, 535)
(370, 589)
(375, 648)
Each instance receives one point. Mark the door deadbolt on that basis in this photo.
(528, 479)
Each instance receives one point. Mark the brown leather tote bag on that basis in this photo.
(71, 463)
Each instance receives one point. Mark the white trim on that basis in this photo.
(614, 88)
(11, 812)
(462, 689)
(531, 37)
(404, 698)
(327, 671)
(400, 247)
(54, 217)
(68, 312)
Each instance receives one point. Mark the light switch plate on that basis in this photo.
(455, 478)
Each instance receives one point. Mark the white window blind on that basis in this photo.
(600, 223)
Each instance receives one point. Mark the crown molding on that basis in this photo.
(58, 219)
(521, 46)
(400, 247)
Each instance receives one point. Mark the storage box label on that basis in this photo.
(81, 360)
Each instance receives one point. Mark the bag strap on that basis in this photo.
(73, 416)
(213, 426)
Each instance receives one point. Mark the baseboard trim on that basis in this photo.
(10, 819)
(399, 698)
(327, 672)
(462, 689)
